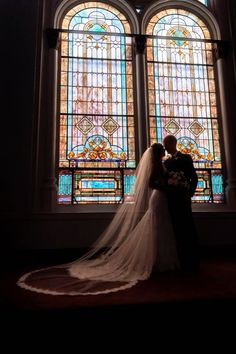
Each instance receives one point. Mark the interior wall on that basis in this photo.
(19, 23)
(49, 231)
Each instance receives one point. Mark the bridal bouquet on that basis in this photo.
(178, 179)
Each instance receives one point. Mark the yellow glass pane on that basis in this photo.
(209, 57)
(63, 120)
(129, 95)
(63, 78)
(63, 93)
(210, 71)
(208, 46)
(152, 122)
(151, 84)
(151, 97)
(212, 99)
(149, 30)
(153, 134)
(126, 26)
(131, 133)
(149, 53)
(129, 81)
(151, 109)
(213, 111)
(66, 22)
(211, 85)
(128, 52)
(129, 68)
(130, 108)
(63, 106)
(64, 65)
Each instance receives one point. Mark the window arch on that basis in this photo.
(182, 94)
(96, 120)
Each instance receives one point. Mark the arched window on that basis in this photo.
(182, 94)
(96, 128)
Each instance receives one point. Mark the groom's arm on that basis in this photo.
(192, 174)
(157, 184)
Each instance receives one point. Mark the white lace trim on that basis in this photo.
(21, 283)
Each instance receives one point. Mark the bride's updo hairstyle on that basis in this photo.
(158, 151)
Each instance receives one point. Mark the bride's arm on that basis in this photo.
(157, 178)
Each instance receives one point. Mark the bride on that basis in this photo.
(138, 240)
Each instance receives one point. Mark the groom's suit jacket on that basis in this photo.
(179, 203)
(183, 162)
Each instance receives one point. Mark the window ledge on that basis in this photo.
(93, 209)
(216, 208)
(220, 212)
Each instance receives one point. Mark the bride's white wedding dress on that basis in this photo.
(139, 239)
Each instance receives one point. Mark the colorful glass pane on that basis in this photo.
(96, 96)
(182, 94)
(94, 186)
(210, 187)
(65, 187)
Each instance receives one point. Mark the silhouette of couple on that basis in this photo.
(153, 233)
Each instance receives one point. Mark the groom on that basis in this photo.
(179, 203)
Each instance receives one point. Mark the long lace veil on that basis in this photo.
(128, 214)
(122, 255)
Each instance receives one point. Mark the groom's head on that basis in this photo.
(170, 143)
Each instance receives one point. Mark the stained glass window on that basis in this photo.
(182, 94)
(96, 122)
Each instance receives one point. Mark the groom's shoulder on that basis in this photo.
(185, 157)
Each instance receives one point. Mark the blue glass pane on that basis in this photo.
(128, 183)
(217, 183)
(97, 184)
(65, 183)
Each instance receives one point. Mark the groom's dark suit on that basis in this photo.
(179, 202)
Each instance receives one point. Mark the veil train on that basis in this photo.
(138, 238)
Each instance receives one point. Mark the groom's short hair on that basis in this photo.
(170, 138)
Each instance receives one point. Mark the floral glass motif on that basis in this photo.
(182, 94)
(96, 121)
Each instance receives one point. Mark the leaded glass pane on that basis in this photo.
(96, 101)
(95, 186)
(182, 94)
(65, 187)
